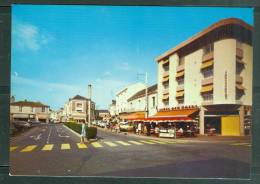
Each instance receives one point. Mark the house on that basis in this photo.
(29, 111)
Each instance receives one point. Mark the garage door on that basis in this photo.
(230, 125)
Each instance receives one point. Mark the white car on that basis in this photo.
(125, 126)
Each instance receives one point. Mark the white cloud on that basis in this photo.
(28, 36)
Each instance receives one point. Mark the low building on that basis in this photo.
(137, 102)
(29, 111)
(76, 109)
(122, 96)
(102, 115)
(211, 71)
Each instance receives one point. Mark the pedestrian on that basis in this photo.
(139, 127)
(83, 132)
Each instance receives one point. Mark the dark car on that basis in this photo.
(21, 125)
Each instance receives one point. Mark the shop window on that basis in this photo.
(208, 49)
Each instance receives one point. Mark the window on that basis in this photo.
(207, 96)
(79, 104)
(43, 109)
(208, 48)
(153, 101)
(166, 67)
(207, 72)
(239, 94)
(31, 109)
(180, 81)
(180, 101)
(20, 108)
(181, 61)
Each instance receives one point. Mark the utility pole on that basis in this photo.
(89, 104)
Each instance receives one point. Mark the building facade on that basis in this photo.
(211, 70)
(126, 93)
(137, 102)
(112, 109)
(102, 115)
(29, 111)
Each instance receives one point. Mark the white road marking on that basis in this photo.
(48, 139)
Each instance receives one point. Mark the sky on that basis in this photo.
(58, 50)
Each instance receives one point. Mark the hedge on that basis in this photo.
(90, 131)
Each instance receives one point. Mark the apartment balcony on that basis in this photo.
(165, 62)
(207, 81)
(180, 68)
(239, 53)
(180, 88)
(207, 57)
(165, 74)
(166, 91)
(239, 79)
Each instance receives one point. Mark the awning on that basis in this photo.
(136, 115)
(165, 97)
(179, 94)
(173, 115)
(180, 74)
(165, 79)
(240, 87)
(206, 89)
(207, 64)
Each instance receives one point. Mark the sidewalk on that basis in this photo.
(199, 138)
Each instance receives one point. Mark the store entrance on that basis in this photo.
(211, 123)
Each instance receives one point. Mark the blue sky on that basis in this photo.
(58, 50)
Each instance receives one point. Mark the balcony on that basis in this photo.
(180, 88)
(239, 79)
(239, 53)
(165, 62)
(207, 57)
(165, 74)
(180, 68)
(207, 81)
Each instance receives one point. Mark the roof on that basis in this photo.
(221, 23)
(78, 97)
(28, 104)
(141, 93)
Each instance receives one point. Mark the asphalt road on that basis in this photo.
(53, 150)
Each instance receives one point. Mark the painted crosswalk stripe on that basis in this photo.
(110, 144)
(96, 145)
(29, 148)
(240, 144)
(47, 147)
(81, 145)
(65, 146)
(159, 142)
(136, 143)
(12, 148)
(123, 143)
(147, 142)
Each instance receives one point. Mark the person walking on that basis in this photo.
(83, 132)
(139, 128)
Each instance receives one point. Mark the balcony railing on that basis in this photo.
(180, 68)
(239, 79)
(207, 81)
(180, 88)
(208, 56)
(239, 53)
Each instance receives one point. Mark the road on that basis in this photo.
(54, 150)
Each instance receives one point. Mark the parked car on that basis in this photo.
(125, 126)
(102, 124)
(21, 125)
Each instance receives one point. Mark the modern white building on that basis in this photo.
(212, 71)
(29, 111)
(124, 95)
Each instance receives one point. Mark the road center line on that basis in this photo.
(48, 139)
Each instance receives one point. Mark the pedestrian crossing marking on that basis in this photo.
(136, 143)
(159, 142)
(12, 148)
(81, 145)
(96, 145)
(110, 144)
(123, 143)
(65, 146)
(29, 148)
(147, 142)
(47, 147)
(240, 144)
